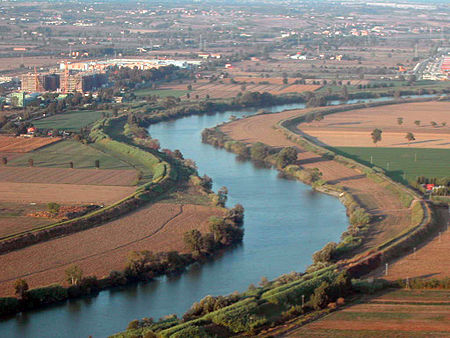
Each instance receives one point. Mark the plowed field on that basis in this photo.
(159, 227)
(11, 144)
(416, 313)
(62, 193)
(68, 176)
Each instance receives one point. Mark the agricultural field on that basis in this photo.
(427, 121)
(97, 251)
(14, 217)
(12, 144)
(402, 164)
(430, 260)
(395, 313)
(68, 176)
(62, 193)
(160, 92)
(69, 121)
(59, 155)
(229, 90)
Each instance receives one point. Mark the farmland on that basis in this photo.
(396, 313)
(68, 176)
(430, 260)
(229, 90)
(11, 144)
(402, 164)
(158, 227)
(160, 92)
(70, 121)
(353, 127)
(62, 193)
(59, 155)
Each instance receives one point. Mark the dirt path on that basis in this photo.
(391, 216)
(159, 227)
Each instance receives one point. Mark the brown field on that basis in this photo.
(429, 261)
(425, 314)
(104, 177)
(62, 193)
(100, 250)
(11, 144)
(353, 128)
(228, 90)
(10, 225)
(392, 216)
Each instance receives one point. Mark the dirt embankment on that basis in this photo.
(97, 251)
(391, 217)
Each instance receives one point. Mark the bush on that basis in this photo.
(286, 157)
(359, 217)
(259, 152)
(319, 299)
(325, 254)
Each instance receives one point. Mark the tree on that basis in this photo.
(258, 152)
(417, 122)
(286, 157)
(434, 124)
(444, 124)
(4, 160)
(97, 164)
(376, 135)
(223, 196)
(74, 274)
(400, 120)
(410, 137)
(53, 207)
(30, 162)
(194, 241)
(319, 298)
(21, 288)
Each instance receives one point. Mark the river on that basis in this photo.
(285, 223)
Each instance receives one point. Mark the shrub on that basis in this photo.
(319, 299)
(259, 152)
(325, 254)
(359, 217)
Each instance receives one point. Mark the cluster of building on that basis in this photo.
(86, 76)
(437, 68)
(101, 65)
(64, 82)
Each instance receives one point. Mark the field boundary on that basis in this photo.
(393, 247)
(142, 195)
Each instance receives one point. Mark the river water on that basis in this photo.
(285, 223)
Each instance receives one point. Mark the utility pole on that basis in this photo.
(387, 269)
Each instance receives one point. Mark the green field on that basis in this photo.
(160, 92)
(70, 121)
(402, 164)
(58, 155)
